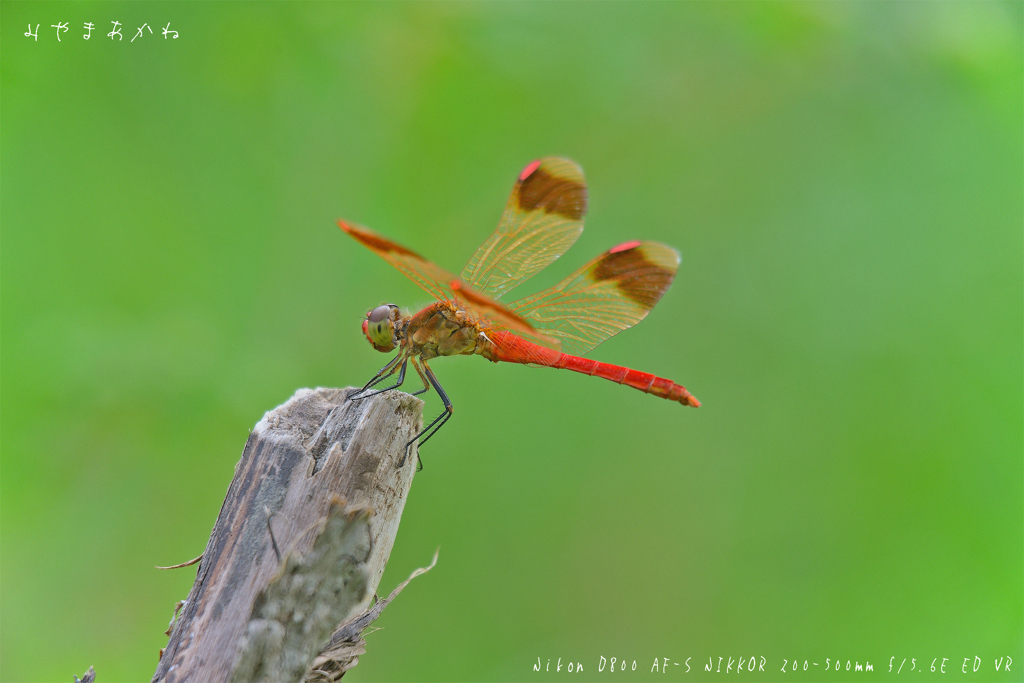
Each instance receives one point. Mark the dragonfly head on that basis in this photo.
(379, 327)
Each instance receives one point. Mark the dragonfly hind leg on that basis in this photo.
(438, 421)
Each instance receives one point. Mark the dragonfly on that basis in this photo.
(553, 328)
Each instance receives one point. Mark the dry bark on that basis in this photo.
(322, 473)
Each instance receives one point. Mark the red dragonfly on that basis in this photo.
(543, 218)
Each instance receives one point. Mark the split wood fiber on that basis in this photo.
(326, 470)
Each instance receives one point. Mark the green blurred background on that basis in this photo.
(844, 181)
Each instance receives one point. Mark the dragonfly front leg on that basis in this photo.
(382, 374)
(439, 420)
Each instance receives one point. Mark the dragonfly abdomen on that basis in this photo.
(511, 348)
(644, 381)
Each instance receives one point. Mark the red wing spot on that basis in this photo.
(376, 242)
(541, 190)
(528, 170)
(636, 277)
(624, 247)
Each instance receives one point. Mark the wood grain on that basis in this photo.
(327, 471)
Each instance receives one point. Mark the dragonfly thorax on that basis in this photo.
(442, 329)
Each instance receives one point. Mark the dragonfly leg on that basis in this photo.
(438, 421)
(401, 378)
(426, 387)
(381, 375)
(385, 371)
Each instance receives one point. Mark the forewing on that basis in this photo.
(543, 218)
(611, 293)
(432, 278)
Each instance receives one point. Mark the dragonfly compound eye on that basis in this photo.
(379, 328)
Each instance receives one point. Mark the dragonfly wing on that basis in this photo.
(433, 279)
(543, 218)
(611, 293)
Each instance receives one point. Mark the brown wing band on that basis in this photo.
(637, 278)
(541, 190)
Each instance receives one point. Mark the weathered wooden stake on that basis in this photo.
(319, 477)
